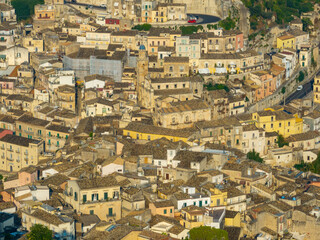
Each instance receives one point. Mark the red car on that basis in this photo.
(192, 21)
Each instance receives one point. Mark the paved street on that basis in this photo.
(86, 5)
(204, 19)
(298, 94)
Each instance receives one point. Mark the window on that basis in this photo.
(94, 197)
(84, 198)
(165, 211)
(91, 212)
(110, 212)
(105, 196)
(171, 210)
(289, 124)
(149, 138)
(75, 196)
(271, 125)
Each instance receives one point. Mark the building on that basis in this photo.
(278, 121)
(192, 216)
(266, 82)
(286, 41)
(176, 66)
(65, 97)
(316, 89)
(56, 137)
(30, 127)
(19, 152)
(100, 196)
(62, 226)
(89, 61)
(164, 208)
(149, 132)
(239, 62)
(177, 115)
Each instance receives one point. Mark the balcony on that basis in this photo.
(3, 157)
(10, 150)
(10, 159)
(17, 151)
(26, 153)
(111, 215)
(95, 201)
(26, 158)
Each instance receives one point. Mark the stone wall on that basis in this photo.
(218, 8)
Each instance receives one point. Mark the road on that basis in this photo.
(86, 5)
(204, 19)
(307, 88)
(298, 94)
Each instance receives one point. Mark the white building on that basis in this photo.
(14, 55)
(111, 165)
(189, 197)
(95, 81)
(41, 94)
(60, 78)
(34, 192)
(186, 47)
(253, 139)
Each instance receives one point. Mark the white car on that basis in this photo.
(103, 5)
(300, 87)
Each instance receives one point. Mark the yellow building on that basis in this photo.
(56, 137)
(286, 41)
(100, 196)
(161, 37)
(30, 127)
(232, 219)
(316, 89)
(33, 44)
(278, 121)
(218, 197)
(149, 132)
(192, 216)
(66, 97)
(159, 14)
(44, 12)
(19, 152)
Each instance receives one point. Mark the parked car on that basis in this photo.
(192, 20)
(299, 88)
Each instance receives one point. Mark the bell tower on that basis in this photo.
(142, 71)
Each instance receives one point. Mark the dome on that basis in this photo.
(142, 47)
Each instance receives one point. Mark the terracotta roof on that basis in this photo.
(98, 182)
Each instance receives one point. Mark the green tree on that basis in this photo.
(208, 233)
(281, 141)
(306, 23)
(283, 91)
(143, 27)
(227, 23)
(39, 232)
(253, 155)
(25, 8)
(1, 178)
(301, 76)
